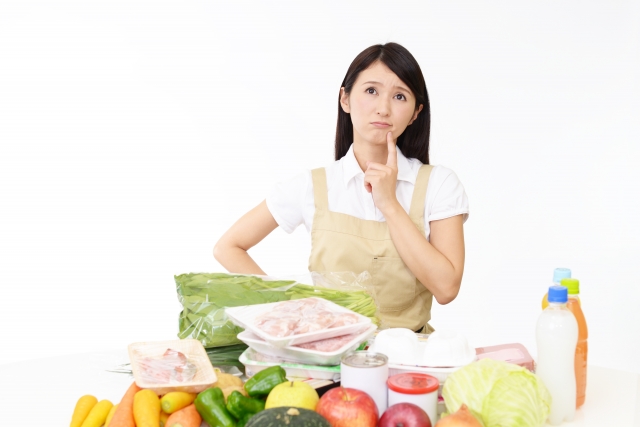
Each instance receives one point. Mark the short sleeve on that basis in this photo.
(445, 196)
(287, 201)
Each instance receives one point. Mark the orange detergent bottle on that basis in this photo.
(558, 275)
(580, 362)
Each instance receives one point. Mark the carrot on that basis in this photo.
(123, 417)
(163, 418)
(185, 417)
(111, 412)
(82, 409)
(146, 409)
(98, 414)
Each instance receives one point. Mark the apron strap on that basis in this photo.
(416, 212)
(320, 197)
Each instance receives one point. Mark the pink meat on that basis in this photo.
(302, 316)
(329, 344)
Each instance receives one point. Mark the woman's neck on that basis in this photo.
(369, 153)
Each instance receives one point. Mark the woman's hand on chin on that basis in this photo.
(380, 180)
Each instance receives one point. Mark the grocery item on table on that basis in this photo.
(205, 296)
(400, 345)
(499, 393)
(557, 337)
(255, 362)
(288, 416)
(513, 353)
(416, 388)
(447, 348)
(171, 367)
(367, 371)
(580, 361)
(322, 352)
(300, 317)
(174, 365)
(348, 407)
(299, 321)
(558, 275)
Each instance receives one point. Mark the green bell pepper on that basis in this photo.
(238, 405)
(264, 381)
(244, 420)
(210, 405)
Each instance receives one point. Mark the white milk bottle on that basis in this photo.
(557, 337)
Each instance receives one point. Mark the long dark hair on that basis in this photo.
(414, 141)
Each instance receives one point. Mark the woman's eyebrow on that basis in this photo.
(395, 87)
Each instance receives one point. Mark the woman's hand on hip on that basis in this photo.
(380, 180)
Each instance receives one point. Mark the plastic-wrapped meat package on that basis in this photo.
(172, 367)
(302, 316)
(328, 345)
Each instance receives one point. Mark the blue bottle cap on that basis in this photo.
(560, 273)
(558, 294)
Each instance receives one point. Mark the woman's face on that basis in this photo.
(379, 102)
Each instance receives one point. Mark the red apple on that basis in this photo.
(348, 407)
(404, 415)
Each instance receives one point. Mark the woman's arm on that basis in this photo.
(437, 264)
(249, 230)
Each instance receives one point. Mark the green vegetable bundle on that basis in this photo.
(204, 297)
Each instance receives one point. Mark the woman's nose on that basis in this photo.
(383, 106)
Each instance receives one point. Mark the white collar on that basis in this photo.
(351, 168)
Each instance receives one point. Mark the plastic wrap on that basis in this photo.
(204, 297)
(176, 365)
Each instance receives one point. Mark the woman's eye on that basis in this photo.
(371, 90)
(401, 97)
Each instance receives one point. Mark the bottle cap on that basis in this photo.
(558, 294)
(559, 274)
(572, 285)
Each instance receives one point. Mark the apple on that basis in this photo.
(348, 407)
(404, 415)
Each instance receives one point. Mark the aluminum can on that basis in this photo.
(367, 371)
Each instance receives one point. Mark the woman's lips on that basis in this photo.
(380, 124)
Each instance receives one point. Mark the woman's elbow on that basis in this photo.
(218, 251)
(448, 294)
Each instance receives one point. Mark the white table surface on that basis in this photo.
(45, 391)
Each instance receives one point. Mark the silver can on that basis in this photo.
(367, 371)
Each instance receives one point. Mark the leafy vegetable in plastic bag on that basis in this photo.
(204, 297)
(500, 394)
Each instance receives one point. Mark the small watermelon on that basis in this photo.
(288, 416)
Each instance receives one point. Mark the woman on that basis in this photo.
(379, 207)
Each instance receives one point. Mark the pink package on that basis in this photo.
(512, 353)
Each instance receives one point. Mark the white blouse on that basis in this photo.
(291, 202)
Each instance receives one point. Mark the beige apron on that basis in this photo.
(341, 242)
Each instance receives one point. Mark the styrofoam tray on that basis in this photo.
(245, 316)
(303, 355)
(292, 369)
(196, 354)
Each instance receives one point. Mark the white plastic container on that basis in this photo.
(400, 345)
(417, 388)
(298, 370)
(303, 355)
(557, 337)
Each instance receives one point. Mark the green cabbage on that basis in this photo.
(500, 394)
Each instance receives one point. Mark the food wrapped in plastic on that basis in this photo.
(204, 297)
(302, 316)
(175, 365)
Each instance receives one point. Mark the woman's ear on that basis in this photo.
(344, 100)
(415, 115)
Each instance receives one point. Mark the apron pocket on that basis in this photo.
(393, 282)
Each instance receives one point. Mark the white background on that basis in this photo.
(133, 134)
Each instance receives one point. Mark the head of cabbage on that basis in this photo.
(499, 394)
